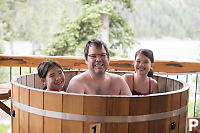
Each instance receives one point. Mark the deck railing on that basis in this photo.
(187, 71)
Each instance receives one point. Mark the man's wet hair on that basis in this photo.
(98, 44)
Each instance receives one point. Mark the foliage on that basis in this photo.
(121, 36)
(32, 20)
(4, 128)
(191, 108)
(191, 105)
(126, 3)
(4, 74)
(15, 72)
(38, 20)
(161, 18)
(75, 33)
(197, 110)
(8, 21)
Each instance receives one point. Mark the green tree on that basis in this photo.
(75, 33)
(9, 27)
(31, 20)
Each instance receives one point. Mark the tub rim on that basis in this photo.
(185, 87)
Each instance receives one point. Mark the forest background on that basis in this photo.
(46, 24)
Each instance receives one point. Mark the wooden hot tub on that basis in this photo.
(37, 111)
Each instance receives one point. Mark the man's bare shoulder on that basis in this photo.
(127, 76)
(79, 77)
(76, 84)
(114, 76)
(119, 81)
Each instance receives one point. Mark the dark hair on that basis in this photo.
(45, 66)
(149, 54)
(98, 44)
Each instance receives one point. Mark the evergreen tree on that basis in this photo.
(76, 32)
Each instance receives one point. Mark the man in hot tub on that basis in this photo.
(96, 80)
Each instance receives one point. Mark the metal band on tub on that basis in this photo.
(101, 119)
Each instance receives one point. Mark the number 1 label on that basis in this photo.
(95, 128)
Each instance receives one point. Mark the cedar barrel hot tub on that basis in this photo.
(37, 111)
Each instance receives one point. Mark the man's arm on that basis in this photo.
(74, 86)
(125, 90)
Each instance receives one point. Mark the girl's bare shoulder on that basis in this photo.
(154, 86)
(154, 81)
